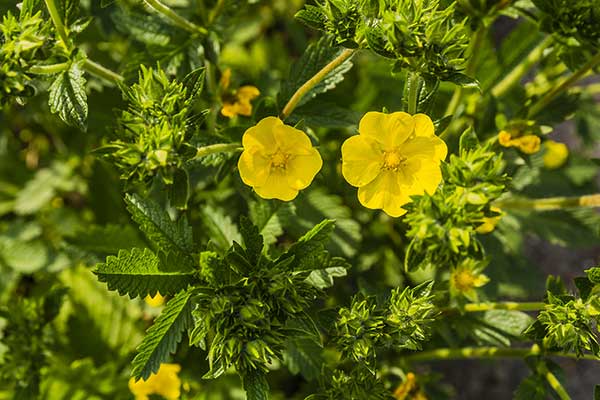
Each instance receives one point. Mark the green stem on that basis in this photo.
(175, 18)
(515, 75)
(214, 13)
(489, 352)
(49, 69)
(413, 92)
(564, 85)
(102, 72)
(551, 203)
(217, 148)
(505, 305)
(474, 53)
(312, 82)
(57, 21)
(554, 382)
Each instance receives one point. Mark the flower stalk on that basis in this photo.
(505, 305)
(515, 75)
(175, 18)
(57, 21)
(413, 80)
(551, 203)
(554, 382)
(312, 82)
(564, 85)
(217, 148)
(49, 69)
(488, 352)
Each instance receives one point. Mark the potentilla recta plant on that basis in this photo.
(266, 199)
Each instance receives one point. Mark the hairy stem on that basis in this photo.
(102, 72)
(489, 352)
(515, 75)
(175, 18)
(312, 82)
(554, 383)
(413, 92)
(564, 85)
(57, 22)
(49, 69)
(551, 203)
(474, 52)
(505, 305)
(217, 148)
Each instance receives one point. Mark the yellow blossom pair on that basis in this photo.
(528, 144)
(165, 382)
(393, 157)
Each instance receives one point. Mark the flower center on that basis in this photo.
(464, 280)
(279, 159)
(392, 160)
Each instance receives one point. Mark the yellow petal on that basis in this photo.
(423, 125)
(361, 160)
(384, 192)
(254, 167)
(247, 93)
(426, 175)
(390, 130)
(276, 187)
(225, 79)
(301, 170)
(243, 108)
(261, 135)
(528, 144)
(505, 138)
(291, 140)
(229, 110)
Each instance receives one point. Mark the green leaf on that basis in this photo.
(141, 273)
(304, 356)
(312, 17)
(468, 141)
(323, 278)
(334, 116)
(597, 392)
(221, 230)
(316, 56)
(462, 80)
(256, 385)
(163, 336)
(269, 218)
(166, 235)
(105, 240)
(194, 83)
(531, 388)
(67, 96)
(252, 240)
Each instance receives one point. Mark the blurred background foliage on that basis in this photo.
(62, 211)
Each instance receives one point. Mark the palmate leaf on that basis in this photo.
(163, 337)
(67, 96)
(140, 272)
(168, 236)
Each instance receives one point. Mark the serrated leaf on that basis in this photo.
(140, 272)
(256, 385)
(168, 236)
(316, 56)
(252, 239)
(312, 17)
(105, 240)
(267, 218)
(462, 80)
(163, 336)
(67, 97)
(193, 83)
(323, 278)
(325, 115)
(221, 229)
(304, 356)
(468, 141)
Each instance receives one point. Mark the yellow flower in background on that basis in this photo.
(409, 389)
(156, 301)
(393, 157)
(465, 279)
(278, 160)
(555, 154)
(165, 383)
(528, 144)
(489, 223)
(236, 102)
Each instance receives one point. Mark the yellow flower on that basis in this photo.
(528, 144)
(409, 389)
(393, 157)
(556, 154)
(155, 301)
(489, 223)
(236, 102)
(165, 383)
(278, 160)
(464, 279)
